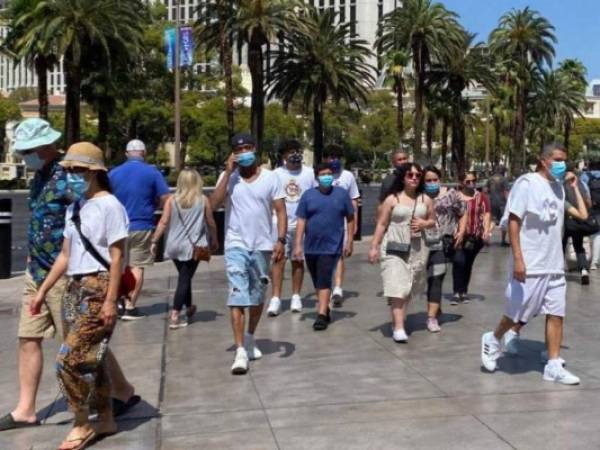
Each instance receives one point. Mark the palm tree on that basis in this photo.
(574, 73)
(395, 67)
(322, 61)
(73, 27)
(215, 29)
(428, 31)
(257, 23)
(523, 37)
(32, 51)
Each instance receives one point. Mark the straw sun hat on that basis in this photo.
(85, 155)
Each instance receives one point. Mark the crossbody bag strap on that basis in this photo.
(89, 247)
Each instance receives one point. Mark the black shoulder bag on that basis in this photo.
(401, 249)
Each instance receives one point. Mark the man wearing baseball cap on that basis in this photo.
(250, 193)
(141, 188)
(50, 195)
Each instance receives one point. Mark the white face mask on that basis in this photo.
(33, 161)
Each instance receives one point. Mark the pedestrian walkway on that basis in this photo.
(350, 387)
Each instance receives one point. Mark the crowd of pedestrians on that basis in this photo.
(89, 228)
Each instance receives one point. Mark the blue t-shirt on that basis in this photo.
(138, 186)
(325, 214)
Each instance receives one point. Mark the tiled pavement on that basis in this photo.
(350, 387)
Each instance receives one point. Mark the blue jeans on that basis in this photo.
(248, 276)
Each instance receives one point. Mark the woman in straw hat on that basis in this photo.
(94, 237)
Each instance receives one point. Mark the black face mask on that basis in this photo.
(295, 158)
(470, 191)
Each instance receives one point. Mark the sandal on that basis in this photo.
(86, 440)
(321, 323)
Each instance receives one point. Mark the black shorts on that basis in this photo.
(321, 268)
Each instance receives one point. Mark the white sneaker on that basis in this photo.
(251, 348)
(511, 342)
(274, 307)
(296, 305)
(558, 374)
(400, 335)
(240, 362)
(490, 351)
(544, 358)
(337, 296)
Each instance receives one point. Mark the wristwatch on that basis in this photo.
(282, 240)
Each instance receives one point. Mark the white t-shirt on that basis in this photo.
(540, 204)
(104, 222)
(248, 206)
(345, 179)
(294, 184)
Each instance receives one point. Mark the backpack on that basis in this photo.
(594, 185)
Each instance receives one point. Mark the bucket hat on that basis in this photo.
(86, 155)
(33, 133)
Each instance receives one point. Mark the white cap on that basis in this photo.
(135, 145)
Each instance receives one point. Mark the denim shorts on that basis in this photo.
(248, 276)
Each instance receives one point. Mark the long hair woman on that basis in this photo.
(446, 236)
(402, 218)
(91, 255)
(189, 219)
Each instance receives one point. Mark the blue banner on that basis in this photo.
(186, 47)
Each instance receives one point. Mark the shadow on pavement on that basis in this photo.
(336, 315)
(154, 310)
(270, 347)
(206, 316)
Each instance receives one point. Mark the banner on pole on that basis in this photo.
(186, 47)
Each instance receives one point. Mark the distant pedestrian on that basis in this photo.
(399, 240)
(321, 214)
(94, 237)
(477, 234)
(498, 188)
(590, 179)
(295, 179)
(192, 231)
(250, 193)
(346, 180)
(442, 240)
(398, 158)
(142, 189)
(51, 192)
(535, 215)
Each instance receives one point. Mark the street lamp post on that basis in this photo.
(178, 161)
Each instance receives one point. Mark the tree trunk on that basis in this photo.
(103, 129)
(257, 107)
(226, 59)
(419, 95)
(73, 98)
(41, 70)
(445, 126)
(399, 83)
(430, 129)
(519, 132)
(318, 129)
(461, 150)
(497, 134)
(567, 133)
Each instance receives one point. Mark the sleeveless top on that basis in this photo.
(186, 226)
(399, 227)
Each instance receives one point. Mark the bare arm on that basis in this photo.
(280, 212)
(514, 232)
(580, 212)
(164, 221)
(354, 223)
(383, 220)
(212, 225)
(108, 313)
(220, 193)
(300, 228)
(162, 201)
(348, 250)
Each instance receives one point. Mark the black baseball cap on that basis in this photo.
(242, 139)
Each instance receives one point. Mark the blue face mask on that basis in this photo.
(336, 166)
(246, 159)
(558, 169)
(33, 161)
(432, 189)
(77, 183)
(325, 180)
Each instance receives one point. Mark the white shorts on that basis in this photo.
(542, 294)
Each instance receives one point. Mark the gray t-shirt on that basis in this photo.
(498, 187)
(386, 186)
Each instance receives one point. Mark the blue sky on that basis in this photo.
(577, 24)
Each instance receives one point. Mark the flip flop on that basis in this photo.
(8, 422)
(120, 407)
(85, 441)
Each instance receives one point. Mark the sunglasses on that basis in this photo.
(413, 175)
(469, 182)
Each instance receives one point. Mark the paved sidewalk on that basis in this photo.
(350, 387)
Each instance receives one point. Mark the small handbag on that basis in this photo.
(582, 227)
(448, 245)
(199, 253)
(471, 243)
(401, 249)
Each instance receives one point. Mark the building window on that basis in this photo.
(596, 90)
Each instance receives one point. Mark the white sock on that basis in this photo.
(554, 363)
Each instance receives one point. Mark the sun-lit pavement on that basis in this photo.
(348, 387)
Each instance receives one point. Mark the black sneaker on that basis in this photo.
(585, 277)
(132, 314)
(120, 309)
(321, 323)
